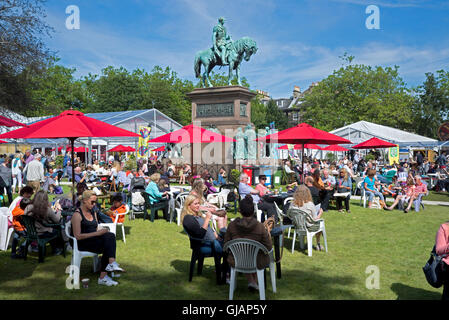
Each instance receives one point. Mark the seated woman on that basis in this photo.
(155, 195)
(344, 184)
(198, 190)
(263, 190)
(94, 239)
(42, 212)
(371, 191)
(198, 227)
(302, 203)
(249, 228)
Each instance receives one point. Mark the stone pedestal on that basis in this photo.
(225, 108)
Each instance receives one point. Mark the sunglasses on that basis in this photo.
(93, 202)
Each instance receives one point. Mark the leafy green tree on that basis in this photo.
(274, 114)
(115, 90)
(359, 92)
(55, 90)
(258, 113)
(432, 104)
(22, 50)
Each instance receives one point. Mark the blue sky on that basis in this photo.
(299, 41)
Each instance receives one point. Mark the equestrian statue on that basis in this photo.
(224, 52)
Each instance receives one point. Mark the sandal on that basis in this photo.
(319, 247)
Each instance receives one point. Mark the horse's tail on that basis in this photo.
(197, 65)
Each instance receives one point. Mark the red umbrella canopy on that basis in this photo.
(191, 134)
(6, 122)
(121, 148)
(159, 149)
(69, 124)
(81, 149)
(303, 134)
(335, 148)
(299, 146)
(374, 143)
(2, 141)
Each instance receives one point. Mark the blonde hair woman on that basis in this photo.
(198, 226)
(91, 237)
(302, 204)
(198, 188)
(344, 185)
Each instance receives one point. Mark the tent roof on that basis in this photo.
(363, 130)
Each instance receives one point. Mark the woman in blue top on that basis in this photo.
(344, 185)
(371, 191)
(155, 195)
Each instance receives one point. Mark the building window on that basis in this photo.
(295, 116)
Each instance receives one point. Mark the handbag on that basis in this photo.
(433, 270)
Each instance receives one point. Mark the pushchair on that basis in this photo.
(136, 202)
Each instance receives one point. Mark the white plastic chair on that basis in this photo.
(363, 197)
(259, 213)
(219, 198)
(245, 256)
(5, 232)
(113, 226)
(179, 204)
(302, 232)
(77, 256)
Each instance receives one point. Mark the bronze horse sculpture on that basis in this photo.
(238, 50)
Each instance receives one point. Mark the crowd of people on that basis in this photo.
(34, 177)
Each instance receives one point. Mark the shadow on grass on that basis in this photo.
(405, 292)
(31, 280)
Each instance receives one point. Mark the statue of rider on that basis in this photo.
(220, 40)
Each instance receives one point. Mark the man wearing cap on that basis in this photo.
(35, 173)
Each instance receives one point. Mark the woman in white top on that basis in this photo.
(16, 168)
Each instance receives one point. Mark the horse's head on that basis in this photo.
(249, 47)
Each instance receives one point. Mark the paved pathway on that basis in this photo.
(432, 203)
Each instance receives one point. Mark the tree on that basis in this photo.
(431, 104)
(274, 114)
(55, 90)
(22, 50)
(115, 90)
(359, 92)
(258, 113)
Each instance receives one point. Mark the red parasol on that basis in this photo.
(299, 147)
(6, 122)
(335, 148)
(159, 149)
(121, 148)
(71, 124)
(2, 141)
(191, 134)
(303, 134)
(374, 143)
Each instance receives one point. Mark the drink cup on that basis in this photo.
(85, 283)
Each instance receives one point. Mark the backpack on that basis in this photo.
(433, 270)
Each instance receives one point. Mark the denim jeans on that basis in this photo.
(371, 195)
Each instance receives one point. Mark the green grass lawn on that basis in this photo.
(157, 255)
